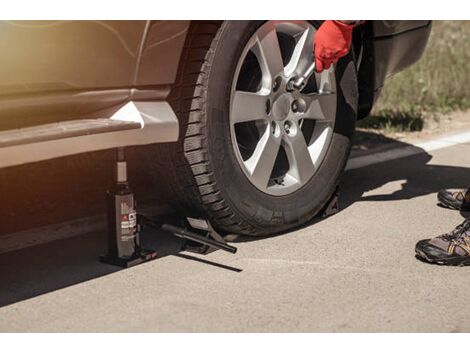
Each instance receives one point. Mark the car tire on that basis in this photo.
(202, 171)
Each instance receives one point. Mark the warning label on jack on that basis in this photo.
(129, 220)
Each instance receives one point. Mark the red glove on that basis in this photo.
(332, 41)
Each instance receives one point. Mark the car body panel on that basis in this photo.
(397, 45)
(385, 48)
(385, 28)
(39, 56)
(161, 53)
(63, 70)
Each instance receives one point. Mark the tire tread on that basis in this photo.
(193, 180)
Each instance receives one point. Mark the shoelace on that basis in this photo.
(458, 233)
(466, 195)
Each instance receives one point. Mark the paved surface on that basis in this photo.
(355, 271)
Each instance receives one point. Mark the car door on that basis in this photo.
(40, 56)
(58, 70)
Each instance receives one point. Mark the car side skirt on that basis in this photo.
(136, 123)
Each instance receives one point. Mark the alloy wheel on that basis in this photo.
(280, 135)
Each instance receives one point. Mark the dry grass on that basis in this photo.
(437, 84)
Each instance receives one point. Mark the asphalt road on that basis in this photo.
(352, 272)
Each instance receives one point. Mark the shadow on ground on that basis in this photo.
(37, 270)
(45, 268)
(417, 177)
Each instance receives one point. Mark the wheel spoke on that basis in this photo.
(247, 106)
(320, 107)
(302, 55)
(268, 53)
(321, 135)
(300, 161)
(323, 81)
(261, 163)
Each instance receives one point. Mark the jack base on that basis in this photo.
(145, 255)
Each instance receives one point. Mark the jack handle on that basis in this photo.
(186, 234)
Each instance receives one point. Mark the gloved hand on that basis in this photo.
(332, 41)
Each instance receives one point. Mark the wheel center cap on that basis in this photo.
(281, 107)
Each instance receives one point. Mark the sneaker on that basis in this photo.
(458, 199)
(452, 248)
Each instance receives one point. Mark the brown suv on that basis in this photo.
(237, 145)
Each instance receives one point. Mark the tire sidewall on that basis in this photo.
(262, 210)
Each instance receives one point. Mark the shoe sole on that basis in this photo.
(461, 261)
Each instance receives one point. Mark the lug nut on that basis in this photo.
(299, 105)
(287, 127)
(294, 106)
(290, 85)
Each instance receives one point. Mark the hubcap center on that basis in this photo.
(281, 107)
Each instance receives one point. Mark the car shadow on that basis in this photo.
(34, 271)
